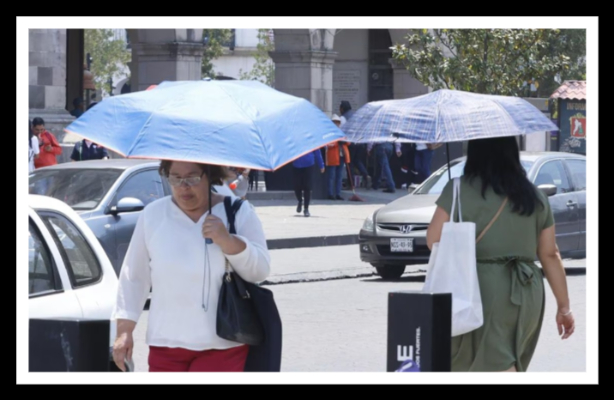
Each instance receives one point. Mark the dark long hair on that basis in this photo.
(496, 161)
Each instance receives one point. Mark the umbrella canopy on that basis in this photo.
(235, 123)
(446, 116)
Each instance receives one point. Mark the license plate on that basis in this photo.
(401, 245)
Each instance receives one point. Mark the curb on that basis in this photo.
(313, 277)
(312, 241)
(271, 195)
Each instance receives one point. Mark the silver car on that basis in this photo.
(395, 235)
(107, 194)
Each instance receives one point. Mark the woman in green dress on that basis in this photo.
(511, 285)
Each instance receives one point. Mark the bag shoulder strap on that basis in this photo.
(492, 221)
(456, 200)
(231, 211)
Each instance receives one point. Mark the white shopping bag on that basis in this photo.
(452, 269)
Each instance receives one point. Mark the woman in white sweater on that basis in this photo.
(168, 253)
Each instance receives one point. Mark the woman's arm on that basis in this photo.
(253, 262)
(134, 277)
(433, 233)
(552, 265)
(133, 289)
(319, 160)
(550, 258)
(55, 146)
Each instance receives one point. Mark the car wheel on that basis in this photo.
(390, 271)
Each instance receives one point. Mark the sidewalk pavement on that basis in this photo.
(332, 222)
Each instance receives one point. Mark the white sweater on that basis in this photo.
(167, 253)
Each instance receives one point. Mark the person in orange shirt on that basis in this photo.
(337, 155)
(49, 146)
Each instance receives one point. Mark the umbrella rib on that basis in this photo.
(506, 113)
(438, 111)
(141, 132)
(266, 151)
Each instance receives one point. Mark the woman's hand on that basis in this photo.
(214, 229)
(565, 322)
(122, 349)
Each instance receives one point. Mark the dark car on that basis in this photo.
(395, 235)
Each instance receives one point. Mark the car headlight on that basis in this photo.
(368, 224)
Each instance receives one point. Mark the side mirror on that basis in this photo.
(127, 204)
(548, 190)
(411, 189)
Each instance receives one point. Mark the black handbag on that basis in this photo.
(237, 316)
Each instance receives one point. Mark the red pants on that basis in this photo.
(164, 359)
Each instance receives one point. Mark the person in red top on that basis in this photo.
(49, 146)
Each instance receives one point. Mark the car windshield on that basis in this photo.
(437, 181)
(82, 189)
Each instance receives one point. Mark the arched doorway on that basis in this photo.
(381, 80)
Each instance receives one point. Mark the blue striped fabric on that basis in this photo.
(445, 116)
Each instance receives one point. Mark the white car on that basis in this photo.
(70, 275)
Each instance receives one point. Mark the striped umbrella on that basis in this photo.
(445, 116)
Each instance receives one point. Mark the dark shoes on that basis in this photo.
(331, 197)
(339, 198)
(307, 213)
(389, 190)
(299, 208)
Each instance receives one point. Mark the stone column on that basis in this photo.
(164, 55)
(307, 74)
(47, 79)
(304, 68)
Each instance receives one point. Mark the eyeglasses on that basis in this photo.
(190, 181)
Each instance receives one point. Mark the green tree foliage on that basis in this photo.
(264, 68)
(215, 41)
(109, 55)
(491, 61)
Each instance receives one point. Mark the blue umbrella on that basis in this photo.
(233, 123)
(446, 116)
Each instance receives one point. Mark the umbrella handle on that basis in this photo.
(208, 240)
(448, 154)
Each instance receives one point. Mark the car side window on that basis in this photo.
(145, 186)
(41, 270)
(79, 257)
(578, 173)
(553, 173)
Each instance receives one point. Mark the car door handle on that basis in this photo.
(571, 203)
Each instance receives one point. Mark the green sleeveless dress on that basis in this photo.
(511, 285)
